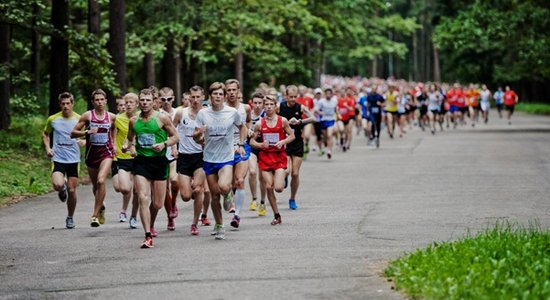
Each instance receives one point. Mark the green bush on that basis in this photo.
(534, 108)
(505, 262)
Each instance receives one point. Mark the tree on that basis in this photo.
(4, 76)
(117, 46)
(59, 59)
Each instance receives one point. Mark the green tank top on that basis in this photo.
(147, 134)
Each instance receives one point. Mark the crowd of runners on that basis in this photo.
(216, 143)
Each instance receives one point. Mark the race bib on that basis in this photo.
(146, 140)
(100, 138)
(343, 111)
(271, 138)
(375, 110)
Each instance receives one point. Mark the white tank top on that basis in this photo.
(186, 128)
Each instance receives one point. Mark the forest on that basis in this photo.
(47, 47)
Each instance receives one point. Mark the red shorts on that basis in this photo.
(271, 161)
(96, 154)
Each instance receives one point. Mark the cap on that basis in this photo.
(318, 91)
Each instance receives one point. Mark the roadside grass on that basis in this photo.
(24, 168)
(534, 108)
(503, 262)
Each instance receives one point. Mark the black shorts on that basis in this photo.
(346, 122)
(464, 109)
(71, 170)
(296, 148)
(189, 163)
(152, 168)
(510, 108)
(122, 164)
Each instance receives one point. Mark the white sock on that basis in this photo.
(239, 200)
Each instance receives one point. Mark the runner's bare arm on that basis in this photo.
(129, 145)
(310, 117)
(289, 134)
(46, 141)
(253, 141)
(83, 121)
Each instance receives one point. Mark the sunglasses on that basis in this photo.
(164, 99)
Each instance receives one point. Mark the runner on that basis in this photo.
(120, 105)
(275, 133)
(155, 134)
(318, 95)
(65, 153)
(240, 163)
(307, 131)
(485, 103)
(375, 103)
(172, 189)
(293, 112)
(215, 129)
(256, 114)
(123, 164)
(191, 175)
(346, 109)
(499, 100)
(510, 100)
(434, 105)
(391, 109)
(473, 103)
(326, 108)
(99, 149)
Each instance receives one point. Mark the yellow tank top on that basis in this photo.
(391, 103)
(121, 123)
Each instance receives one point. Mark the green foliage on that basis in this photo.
(25, 106)
(502, 41)
(504, 262)
(534, 108)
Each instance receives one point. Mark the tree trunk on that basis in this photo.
(117, 46)
(59, 61)
(415, 57)
(35, 59)
(94, 20)
(5, 84)
(169, 65)
(177, 83)
(437, 67)
(239, 61)
(149, 63)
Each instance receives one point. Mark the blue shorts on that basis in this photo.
(327, 124)
(212, 168)
(246, 156)
(454, 108)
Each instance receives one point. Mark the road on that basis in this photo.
(356, 212)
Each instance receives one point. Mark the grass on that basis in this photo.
(24, 168)
(534, 108)
(504, 262)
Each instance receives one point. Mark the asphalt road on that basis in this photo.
(356, 212)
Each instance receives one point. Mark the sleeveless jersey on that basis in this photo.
(186, 128)
(149, 133)
(99, 145)
(293, 112)
(273, 134)
(121, 124)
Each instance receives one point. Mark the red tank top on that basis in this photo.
(273, 134)
(103, 135)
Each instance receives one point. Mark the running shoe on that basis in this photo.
(174, 212)
(63, 195)
(154, 233)
(227, 201)
(171, 224)
(329, 155)
(232, 208)
(261, 211)
(101, 216)
(220, 232)
(205, 221)
(253, 205)
(148, 243)
(122, 216)
(236, 221)
(321, 153)
(133, 222)
(69, 223)
(292, 204)
(95, 222)
(377, 142)
(194, 229)
(276, 221)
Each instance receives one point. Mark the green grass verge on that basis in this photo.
(504, 262)
(534, 108)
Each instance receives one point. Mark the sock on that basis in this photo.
(277, 216)
(239, 200)
(148, 235)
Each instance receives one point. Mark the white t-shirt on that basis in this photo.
(186, 128)
(328, 108)
(218, 135)
(237, 133)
